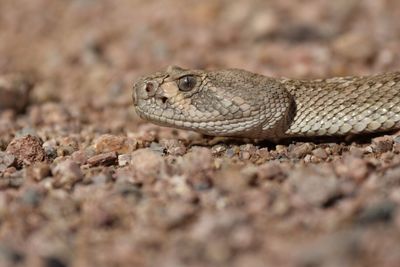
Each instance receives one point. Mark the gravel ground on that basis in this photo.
(85, 182)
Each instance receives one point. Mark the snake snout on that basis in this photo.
(143, 90)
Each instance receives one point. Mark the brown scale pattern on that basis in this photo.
(341, 106)
(239, 103)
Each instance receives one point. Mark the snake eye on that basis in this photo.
(187, 83)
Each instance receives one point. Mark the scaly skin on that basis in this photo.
(239, 103)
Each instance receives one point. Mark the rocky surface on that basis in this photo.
(85, 182)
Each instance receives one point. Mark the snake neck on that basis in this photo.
(342, 106)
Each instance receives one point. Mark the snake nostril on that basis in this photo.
(164, 99)
(149, 87)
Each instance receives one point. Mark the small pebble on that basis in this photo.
(247, 151)
(27, 150)
(156, 147)
(14, 92)
(67, 146)
(50, 148)
(344, 46)
(379, 212)
(230, 152)
(231, 179)
(300, 150)
(357, 151)
(281, 149)
(112, 143)
(104, 159)
(147, 164)
(124, 159)
(39, 171)
(263, 153)
(396, 148)
(6, 160)
(218, 149)
(176, 215)
(66, 174)
(101, 178)
(271, 171)
(382, 144)
(397, 139)
(173, 147)
(32, 196)
(320, 153)
(352, 167)
(79, 157)
(313, 186)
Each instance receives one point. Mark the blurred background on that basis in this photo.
(301, 38)
(90, 44)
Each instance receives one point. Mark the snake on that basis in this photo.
(239, 103)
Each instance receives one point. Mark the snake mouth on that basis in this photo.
(208, 126)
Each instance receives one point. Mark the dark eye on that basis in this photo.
(187, 83)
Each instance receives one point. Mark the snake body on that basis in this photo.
(238, 103)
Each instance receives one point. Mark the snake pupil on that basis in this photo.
(187, 83)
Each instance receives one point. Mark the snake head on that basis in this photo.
(228, 102)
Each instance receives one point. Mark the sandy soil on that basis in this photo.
(85, 182)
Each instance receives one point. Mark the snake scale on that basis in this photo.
(238, 103)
